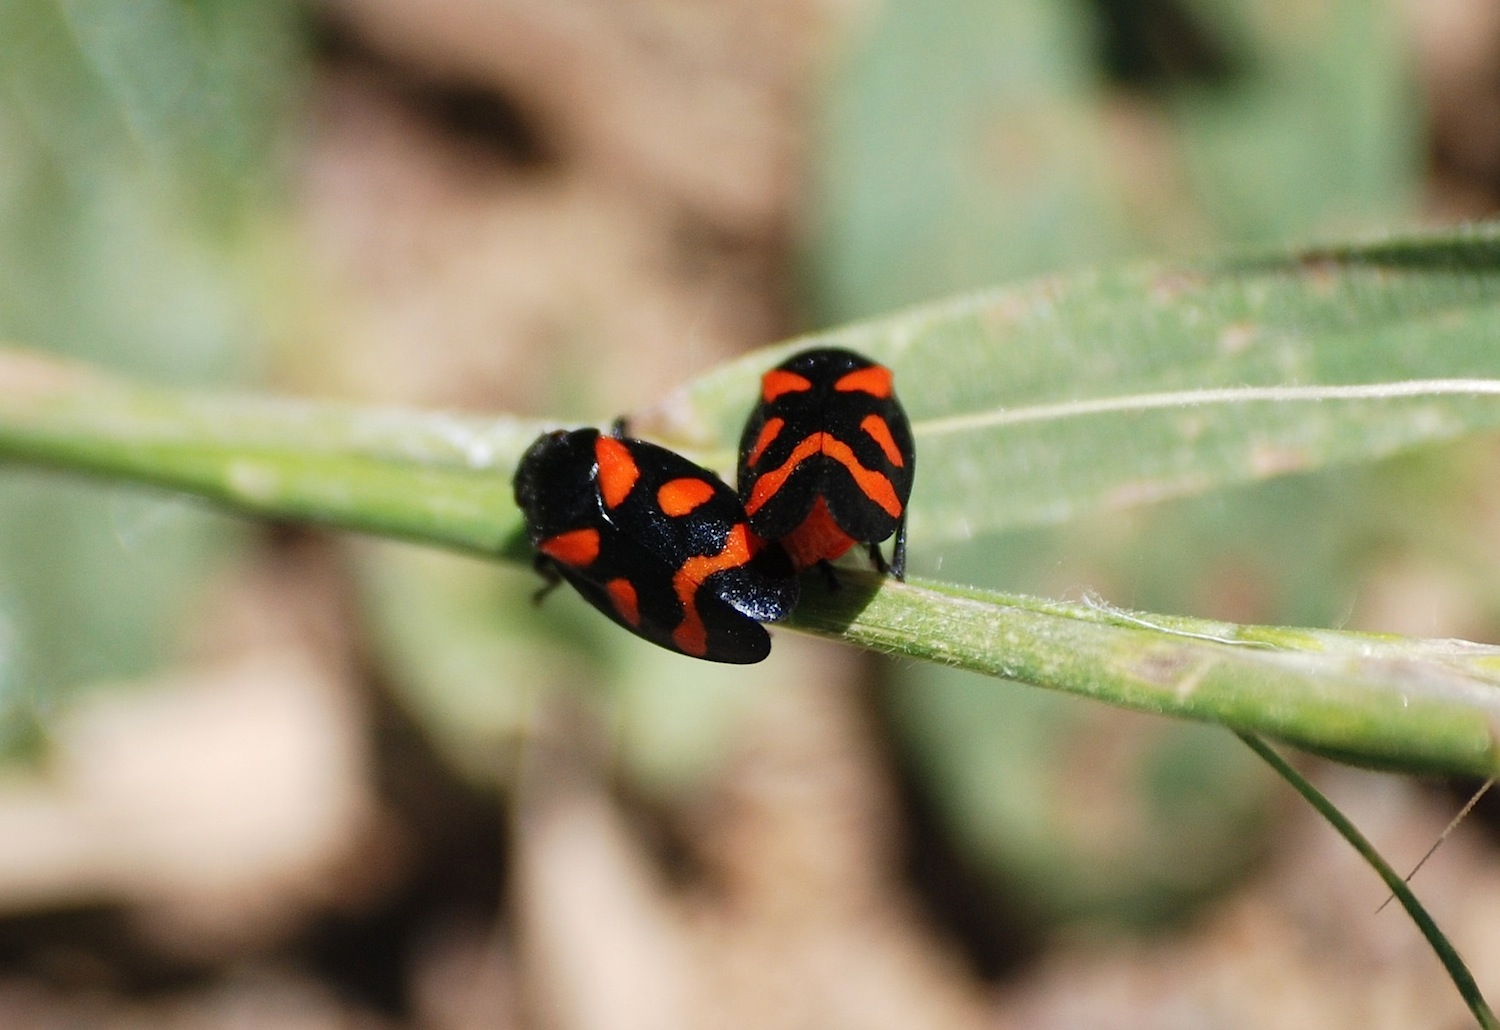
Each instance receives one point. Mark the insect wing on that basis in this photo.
(696, 524)
(653, 541)
(780, 484)
(765, 588)
(867, 491)
(828, 426)
(638, 593)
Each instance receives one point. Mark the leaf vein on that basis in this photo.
(1204, 397)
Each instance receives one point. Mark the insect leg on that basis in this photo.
(547, 569)
(898, 550)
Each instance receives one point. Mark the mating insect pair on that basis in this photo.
(667, 550)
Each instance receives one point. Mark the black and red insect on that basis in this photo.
(655, 542)
(826, 459)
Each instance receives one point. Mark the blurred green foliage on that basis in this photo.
(139, 145)
(963, 144)
(971, 143)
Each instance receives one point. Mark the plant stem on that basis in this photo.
(444, 480)
(1382, 701)
(429, 476)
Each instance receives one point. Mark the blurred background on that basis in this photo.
(261, 776)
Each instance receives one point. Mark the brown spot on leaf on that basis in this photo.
(1173, 667)
(1148, 491)
(27, 373)
(1267, 460)
(1172, 286)
(1237, 338)
(1321, 273)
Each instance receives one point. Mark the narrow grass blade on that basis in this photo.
(1441, 946)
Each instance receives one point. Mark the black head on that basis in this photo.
(554, 480)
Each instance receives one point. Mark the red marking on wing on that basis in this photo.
(876, 429)
(875, 381)
(691, 635)
(577, 547)
(778, 381)
(622, 596)
(768, 432)
(819, 538)
(875, 486)
(617, 470)
(680, 496)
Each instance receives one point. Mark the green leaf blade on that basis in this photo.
(1054, 399)
(434, 477)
